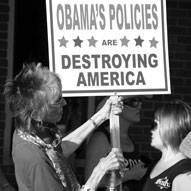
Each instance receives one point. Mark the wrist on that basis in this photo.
(85, 188)
(98, 118)
(95, 178)
(92, 122)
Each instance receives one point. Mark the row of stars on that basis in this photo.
(93, 41)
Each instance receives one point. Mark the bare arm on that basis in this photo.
(135, 173)
(182, 182)
(72, 141)
(114, 161)
(97, 148)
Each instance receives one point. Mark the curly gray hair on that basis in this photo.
(30, 93)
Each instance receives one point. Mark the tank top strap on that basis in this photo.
(181, 167)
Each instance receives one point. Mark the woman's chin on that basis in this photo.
(54, 120)
(58, 119)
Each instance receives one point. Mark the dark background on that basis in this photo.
(31, 44)
(31, 41)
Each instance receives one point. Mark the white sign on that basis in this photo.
(109, 47)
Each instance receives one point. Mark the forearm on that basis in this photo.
(95, 178)
(72, 141)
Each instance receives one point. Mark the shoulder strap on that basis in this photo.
(181, 167)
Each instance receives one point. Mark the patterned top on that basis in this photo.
(41, 166)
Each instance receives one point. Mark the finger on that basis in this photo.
(117, 153)
(120, 161)
(117, 102)
(120, 98)
(117, 109)
(114, 99)
(113, 163)
(117, 106)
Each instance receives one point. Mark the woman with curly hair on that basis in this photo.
(39, 151)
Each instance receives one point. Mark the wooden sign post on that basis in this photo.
(114, 129)
(115, 142)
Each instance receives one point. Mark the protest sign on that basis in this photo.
(109, 47)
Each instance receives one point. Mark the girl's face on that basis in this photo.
(55, 111)
(132, 110)
(156, 141)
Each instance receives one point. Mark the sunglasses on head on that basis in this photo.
(134, 102)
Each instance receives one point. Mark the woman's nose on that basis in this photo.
(63, 102)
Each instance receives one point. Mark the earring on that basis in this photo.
(39, 123)
(37, 119)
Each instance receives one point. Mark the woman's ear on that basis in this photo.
(38, 118)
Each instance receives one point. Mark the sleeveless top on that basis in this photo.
(133, 158)
(164, 180)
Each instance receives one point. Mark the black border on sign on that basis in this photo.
(114, 90)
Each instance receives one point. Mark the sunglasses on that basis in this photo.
(60, 101)
(132, 102)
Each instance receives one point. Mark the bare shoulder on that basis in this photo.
(182, 182)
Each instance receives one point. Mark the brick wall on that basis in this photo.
(6, 62)
(179, 37)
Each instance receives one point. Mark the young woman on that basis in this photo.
(39, 150)
(99, 146)
(172, 171)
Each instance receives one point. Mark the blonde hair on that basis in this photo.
(175, 122)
